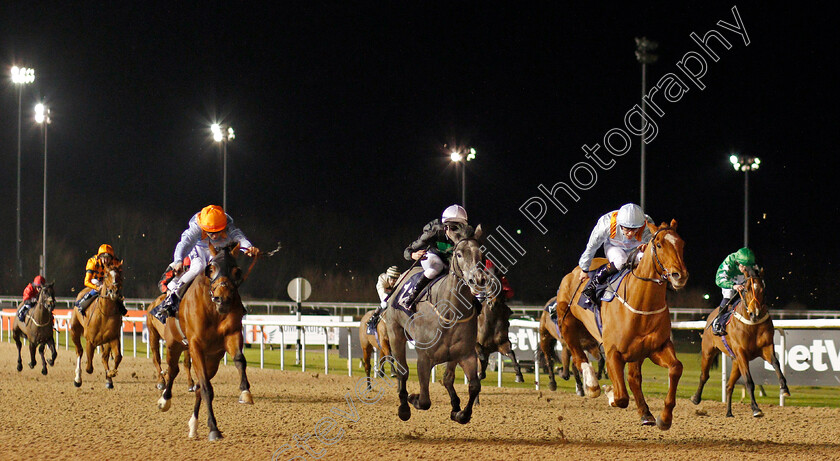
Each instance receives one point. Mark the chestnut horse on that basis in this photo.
(369, 343)
(101, 326)
(493, 328)
(549, 335)
(636, 324)
(38, 329)
(444, 328)
(168, 333)
(750, 337)
(211, 316)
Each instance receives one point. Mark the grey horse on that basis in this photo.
(443, 326)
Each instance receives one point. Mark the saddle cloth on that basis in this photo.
(399, 298)
(604, 292)
(727, 316)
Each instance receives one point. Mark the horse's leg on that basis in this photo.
(565, 362)
(448, 382)
(422, 401)
(769, 355)
(173, 354)
(43, 359)
(187, 367)
(53, 352)
(602, 362)
(367, 352)
(32, 361)
(617, 395)
(469, 366)
(634, 378)
(730, 386)
(211, 366)
(744, 365)
(117, 354)
(233, 344)
(506, 349)
(666, 357)
(154, 345)
(708, 352)
(578, 383)
(204, 392)
(570, 329)
(547, 347)
(19, 344)
(106, 358)
(89, 348)
(398, 348)
(386, 352)
(483, 359)
(76, 335)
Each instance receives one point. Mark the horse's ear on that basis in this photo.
(479, 232)
(652, 227)
(674, 223)
(212, 249)
(761, 273)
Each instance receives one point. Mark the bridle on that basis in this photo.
(455, 268)
(225, 277)
(752, 280)
(658, 267)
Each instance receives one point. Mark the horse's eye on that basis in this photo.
(658, 245)
(459, 255)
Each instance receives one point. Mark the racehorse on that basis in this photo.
(38, 328)
(493, 327)
(443, 326)
(211, 315)
(101, 326)
(636, 324)
(168, 332)
(369, 343)
(549, 335)
(748, 338)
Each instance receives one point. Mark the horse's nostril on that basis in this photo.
(675, 275)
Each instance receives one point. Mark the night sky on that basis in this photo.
(347, 111)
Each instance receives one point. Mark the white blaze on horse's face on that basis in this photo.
(670, 250)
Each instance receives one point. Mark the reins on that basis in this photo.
(746, 320)
(662, 273)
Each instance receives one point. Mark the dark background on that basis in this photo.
(344, 113)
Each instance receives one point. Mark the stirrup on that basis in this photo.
(372, 322)
(160, 313)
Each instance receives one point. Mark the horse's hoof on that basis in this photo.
(191, 388)
(164, 404)
(695, 399)
(109, 385)
(214, 435)
(77, 383)
(51, 362)
(608, 390)
(462, 417)
(519, 379)
(482, 375)
(579, 391)
(730, 415)
(31, 365)
(245, 397)
(404, 412)
(784, 392)
(19, 367)
(552, 385)
(44, 371)
(662, 425)
(648, 420)
(160, 386)
(758, 414)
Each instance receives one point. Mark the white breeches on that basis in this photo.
(728, 293)
(432, 265)
(618, 255)
(198, 261)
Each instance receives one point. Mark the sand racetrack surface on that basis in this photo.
(46, 417)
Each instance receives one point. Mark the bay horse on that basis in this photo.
(549, 336)
(749, 336)
(211, 316)
(444, 327)
(38, 329)
(493, 333)
(168, 333)
(636, 324)
(369, 343)
(101, 326)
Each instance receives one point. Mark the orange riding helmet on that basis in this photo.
(105, 249)
(212, 218)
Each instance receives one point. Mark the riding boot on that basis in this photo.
(552, 311)
(600, 277)
(168, 307)
(718, 329)
(21, 313)
(86, 301)
(374, 319)
(415, 292)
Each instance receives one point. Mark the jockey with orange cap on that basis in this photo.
(210, 225)
(30, 296)
(95, 269)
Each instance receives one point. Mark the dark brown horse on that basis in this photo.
(444, 329)
(168, 333)
(636, 324)
(101, 326)
(369, 343)
(549, 336)
(493, 328)
(749, 336)
(211, 316)
(38, 329)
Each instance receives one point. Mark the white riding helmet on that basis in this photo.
(631, 216)
(454, 213)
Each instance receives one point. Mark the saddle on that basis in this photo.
(726, 317)
(603, 292)
(400, 297)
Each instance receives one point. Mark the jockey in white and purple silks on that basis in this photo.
(620, 232)
(210, 225)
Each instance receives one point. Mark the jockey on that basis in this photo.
(620, 232)
(94, 273)
(210, 225)
(385, 284)
(433, 249)
(730, 278)
(30, 296)
(507, 290)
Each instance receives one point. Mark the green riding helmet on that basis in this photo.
(745, 256)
